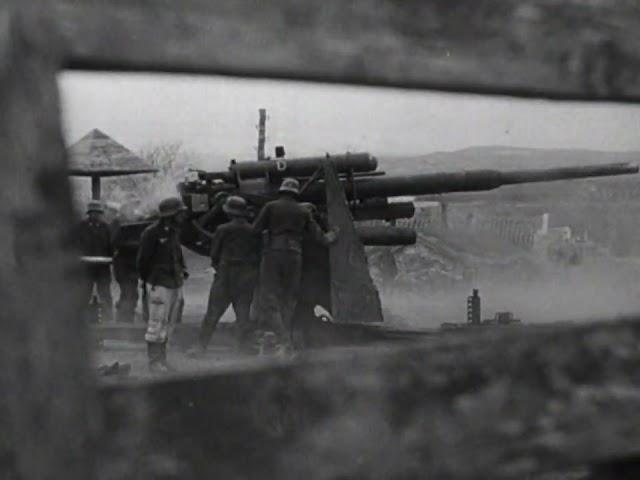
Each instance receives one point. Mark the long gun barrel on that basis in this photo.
(384, 235)
(368, 194)
(465, 181)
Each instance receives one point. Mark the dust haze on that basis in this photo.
(585, 294)
(535, 285)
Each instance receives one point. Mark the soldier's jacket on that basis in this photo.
(160, 261)
(235, 243)
(286, 222)
(94, 238)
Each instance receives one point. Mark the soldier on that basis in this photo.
(94, 238)
(126, 274)
(162, 271)
(235, 255)
(215, 215)
(286, 221)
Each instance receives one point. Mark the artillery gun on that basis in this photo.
(367, 190)
(348, 188)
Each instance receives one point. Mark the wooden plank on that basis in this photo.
(482, 403)
(578, 49)
(46, 405)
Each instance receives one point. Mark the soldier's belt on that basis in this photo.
(285, 242)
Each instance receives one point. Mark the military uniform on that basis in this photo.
(126, 274)
(286, 222)
(161, 267)
(235, 254)
(94, 239)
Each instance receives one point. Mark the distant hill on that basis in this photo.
(501, 158)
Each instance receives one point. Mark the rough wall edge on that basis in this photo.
(48, 390)
(534, 398)
(584, 55)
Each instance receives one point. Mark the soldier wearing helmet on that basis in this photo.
(162, 271)
(235, 256)
(286, 221)
(215, 215)
(94, 238)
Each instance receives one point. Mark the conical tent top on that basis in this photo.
(97, 154)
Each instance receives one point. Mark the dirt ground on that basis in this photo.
(134, 354)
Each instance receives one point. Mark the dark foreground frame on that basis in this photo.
(501, 404)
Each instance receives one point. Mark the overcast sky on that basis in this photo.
(217, 117)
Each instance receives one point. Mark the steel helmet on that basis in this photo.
(290, 185)
(235, 206)
(170, 207)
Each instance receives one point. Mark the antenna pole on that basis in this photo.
(262, 133)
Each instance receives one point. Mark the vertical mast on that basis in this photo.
(262, 133)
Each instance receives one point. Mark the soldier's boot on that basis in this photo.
(154, 352)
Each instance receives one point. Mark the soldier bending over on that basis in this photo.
(235, 255)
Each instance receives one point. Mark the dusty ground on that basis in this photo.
(135, 355)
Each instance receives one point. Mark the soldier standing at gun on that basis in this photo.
(94, 238)
(162, 271)
(286, 221)
(235, 255)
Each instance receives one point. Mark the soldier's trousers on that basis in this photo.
(100, 276)
(234, 285)
(164, 305)
(280, 276)
(126, 304)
